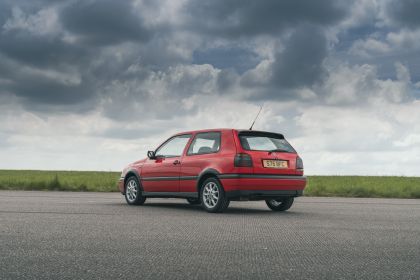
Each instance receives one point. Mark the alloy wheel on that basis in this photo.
(210, 194)
(131, 191)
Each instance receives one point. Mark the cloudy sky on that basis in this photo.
(94, 84)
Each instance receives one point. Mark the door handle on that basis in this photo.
(176, 162)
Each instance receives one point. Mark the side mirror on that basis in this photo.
(151, 155)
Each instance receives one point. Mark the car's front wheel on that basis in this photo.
(133, 194)
(280, 204)
(213, 196)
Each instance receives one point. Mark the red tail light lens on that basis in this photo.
(243, 160)
(299, 163)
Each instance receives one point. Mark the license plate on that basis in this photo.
(269, 163)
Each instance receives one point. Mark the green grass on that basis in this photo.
(364, 186)
(346, 186)
(59, 180)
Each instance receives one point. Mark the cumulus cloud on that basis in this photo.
(369, 46)
(44, 22)
(360, 84)
(95, 84)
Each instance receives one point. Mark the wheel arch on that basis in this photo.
(131, 173)
(204, 175)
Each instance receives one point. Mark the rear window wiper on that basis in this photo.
(278, 150)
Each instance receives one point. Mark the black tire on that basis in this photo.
(216, 200)
(193, 201)
(280, 204)
(132, 193)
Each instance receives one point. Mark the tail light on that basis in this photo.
(242, 160)
(299, 163)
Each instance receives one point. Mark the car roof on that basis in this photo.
(224, 129)
(205, 130)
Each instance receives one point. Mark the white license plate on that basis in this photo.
(270, 163)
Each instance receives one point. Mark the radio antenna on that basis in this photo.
(256, 118)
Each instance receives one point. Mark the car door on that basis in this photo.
(202, 153)
(162, 173)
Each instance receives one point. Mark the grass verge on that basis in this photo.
(345, 186)
(59, 180)
(364, 186)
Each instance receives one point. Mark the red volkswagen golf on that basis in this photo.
(213, 167)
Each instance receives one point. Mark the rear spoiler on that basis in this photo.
(260, 133)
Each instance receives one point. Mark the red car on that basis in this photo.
(212, 167)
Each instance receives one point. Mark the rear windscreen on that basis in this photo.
(260, 141)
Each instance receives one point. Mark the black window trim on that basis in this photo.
(195, 137)
(169, 139)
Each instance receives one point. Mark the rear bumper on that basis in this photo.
(256, 186)
(260, 194)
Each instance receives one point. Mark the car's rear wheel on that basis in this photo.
(193, 201)
(280, 204)
(213, 196)
(133, 194)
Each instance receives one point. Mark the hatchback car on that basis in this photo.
(213, 167)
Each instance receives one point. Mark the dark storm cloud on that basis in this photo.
(42, 51)
(43, 89)
(233, 18)
(39, 65)
(52, 92)
(405, 12)
(50, 73)
(104, 22)
(106, 52)
(300, 64)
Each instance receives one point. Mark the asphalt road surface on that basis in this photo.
(64, 235)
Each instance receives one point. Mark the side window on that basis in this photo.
(173, 147)
(205, 143)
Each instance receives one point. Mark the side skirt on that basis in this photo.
(171, 194)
